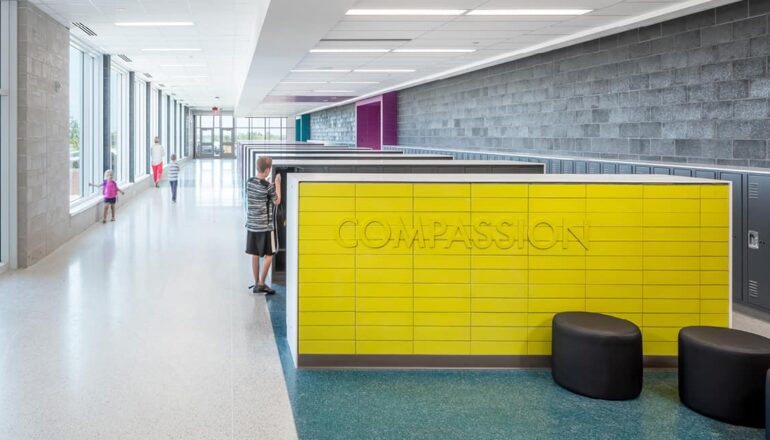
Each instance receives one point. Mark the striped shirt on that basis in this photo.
(173, 171)
(261, 197)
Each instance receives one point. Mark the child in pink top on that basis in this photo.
(110, 191)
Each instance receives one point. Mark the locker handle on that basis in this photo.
(753, 240)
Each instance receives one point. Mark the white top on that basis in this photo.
(156, 153)
(502, 178)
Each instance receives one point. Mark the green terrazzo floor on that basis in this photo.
(479, 404)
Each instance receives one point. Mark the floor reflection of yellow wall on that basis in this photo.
(482, 268)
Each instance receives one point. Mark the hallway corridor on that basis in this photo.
(144, 328)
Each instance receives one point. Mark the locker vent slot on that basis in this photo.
(753, 190)
(753, 288)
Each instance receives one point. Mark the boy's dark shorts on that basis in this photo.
(111, 200)
(261, 243)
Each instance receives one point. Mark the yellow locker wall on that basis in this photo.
(656, 255)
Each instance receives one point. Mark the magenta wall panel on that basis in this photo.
(368, 126)
(376, 120)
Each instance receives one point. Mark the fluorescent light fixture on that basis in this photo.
(319, 70)
(354, 82)
(154, 23)
(333, 91)
(406, 12)
(434, 50)
(384, 70)
(171, 49)
(531, 12)
(349, 50)
(303, 82)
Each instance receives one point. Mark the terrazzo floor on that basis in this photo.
(479, 404)
(142, 329)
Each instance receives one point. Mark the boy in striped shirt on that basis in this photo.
(173, 176)
(261, 241)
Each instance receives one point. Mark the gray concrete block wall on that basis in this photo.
(337, 125)
(694, 89)
(43, 162)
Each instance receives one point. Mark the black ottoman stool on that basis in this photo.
(722, 374)
(596, 355)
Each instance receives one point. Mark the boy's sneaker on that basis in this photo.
(266, 290)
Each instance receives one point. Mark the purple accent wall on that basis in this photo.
(368, 126)
(376, 120)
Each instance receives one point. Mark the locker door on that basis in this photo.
(594, 168)
(642, 169)
(705, 174)
(580, 167)
(738, 235)
(608, 168)
(758, 251)
(661, 170)
(567, 167)
(625, 168)
(554, 166)
(682, 172)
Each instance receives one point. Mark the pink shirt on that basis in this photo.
(110, 190)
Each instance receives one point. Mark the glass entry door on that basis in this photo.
(228, 148)
(206, 145)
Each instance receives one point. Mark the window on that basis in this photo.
(84, 148)
(163, 132)
(77, 184)
(140, 129)
(119, 160)
(154, 114)
(172, 128)
(7, 122)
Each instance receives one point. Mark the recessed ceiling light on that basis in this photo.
(319, 70)
(354, 82)
(154, 23)
(384, 70)
(171, 49)
(303, 82)
(434, 50)
(529, 11)
(406, 12)
(349, 50)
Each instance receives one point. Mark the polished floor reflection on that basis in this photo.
(143, 328)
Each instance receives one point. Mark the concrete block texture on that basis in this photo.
(693, 89)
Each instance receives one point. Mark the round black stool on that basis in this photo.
(597, 355)
(722, 374)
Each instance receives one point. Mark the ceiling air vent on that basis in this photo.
(125, 58)
(161, 85)
(87, 30)
(148, 75)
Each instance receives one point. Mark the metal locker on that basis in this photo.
(625, 168)
(580, 167)
(567, 167)
(594, 168)
(705, 174)
(758, 251)
(642, 169)
(738, 235)
(554, 166)
(608, 168)
(682, 172)
(661, 170)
